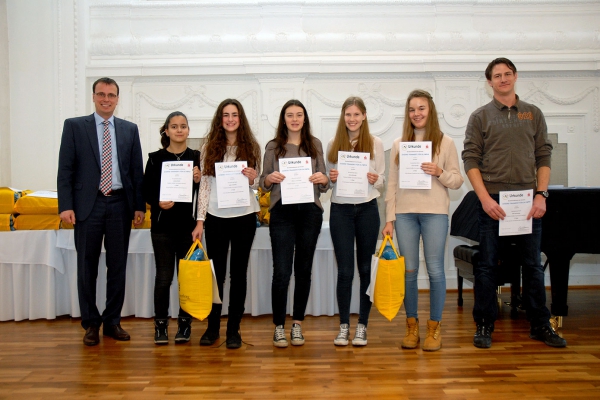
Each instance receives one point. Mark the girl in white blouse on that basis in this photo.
(229, 139)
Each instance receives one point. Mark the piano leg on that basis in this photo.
(459, 280)
(559, 282)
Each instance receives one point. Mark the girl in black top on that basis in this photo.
(172, 223)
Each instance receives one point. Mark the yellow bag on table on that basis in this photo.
(25, 222)
(37, 203)
(197, 284)
(8, 198)
(7, 222)
(387, 281)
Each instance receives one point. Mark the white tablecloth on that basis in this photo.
(38, 277)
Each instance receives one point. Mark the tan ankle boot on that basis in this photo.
(411, 340)
(433, 340)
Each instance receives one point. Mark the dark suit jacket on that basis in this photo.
(78, 177)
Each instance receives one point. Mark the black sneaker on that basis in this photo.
(184, 330)
(209, 338)
(160, 331)
(547, 335)
(483, 336)
(234, 340)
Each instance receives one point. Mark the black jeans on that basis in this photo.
(293, 226)
(219, 233)
(534, 292)
(169, 248)
(349, 222)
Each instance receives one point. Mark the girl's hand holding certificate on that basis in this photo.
(318, 178)
(250, 173)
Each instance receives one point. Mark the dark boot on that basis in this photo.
(211, 334)
(234, 339)
(184, 330)
(160, 331)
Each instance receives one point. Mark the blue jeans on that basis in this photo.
(347, 222)
(434, 230)
(294, 230)
(485, 309)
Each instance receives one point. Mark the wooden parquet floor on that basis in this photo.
(47, 360)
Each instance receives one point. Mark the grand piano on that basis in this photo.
(570, 226)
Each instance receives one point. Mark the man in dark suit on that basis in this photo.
(100, 174)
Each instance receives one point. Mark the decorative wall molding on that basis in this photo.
(252, 30)
(168, 4)
(537, 94)
(192, 95)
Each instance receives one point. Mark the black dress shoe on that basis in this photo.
(92, 336)
(116, 332)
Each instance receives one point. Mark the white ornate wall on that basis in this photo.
(189, 55)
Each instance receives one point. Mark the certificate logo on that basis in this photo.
(505, 196)
(404, 147)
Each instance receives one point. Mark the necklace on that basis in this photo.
(179, 155)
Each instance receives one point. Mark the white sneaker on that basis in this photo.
(296, 334)
(279, 339)
(360, 337)
(342, 337)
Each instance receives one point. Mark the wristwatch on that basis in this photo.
(543, 193)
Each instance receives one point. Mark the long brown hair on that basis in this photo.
(216, 140)
(433, 132)
(341, 142)
(307, 143)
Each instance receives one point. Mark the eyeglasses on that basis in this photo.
(111, 96)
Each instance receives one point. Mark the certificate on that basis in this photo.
(296, 187)
(232, 185)
(352, 179)
(176, 181)
(516, 204)
(412, 155)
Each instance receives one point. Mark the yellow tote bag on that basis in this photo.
(389, 282)
(196, 284)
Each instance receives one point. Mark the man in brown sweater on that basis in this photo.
(507, 148)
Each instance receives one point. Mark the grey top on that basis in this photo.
(271, 163)
(507, 144)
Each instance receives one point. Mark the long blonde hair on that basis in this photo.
(433, 132)
(341, 142)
